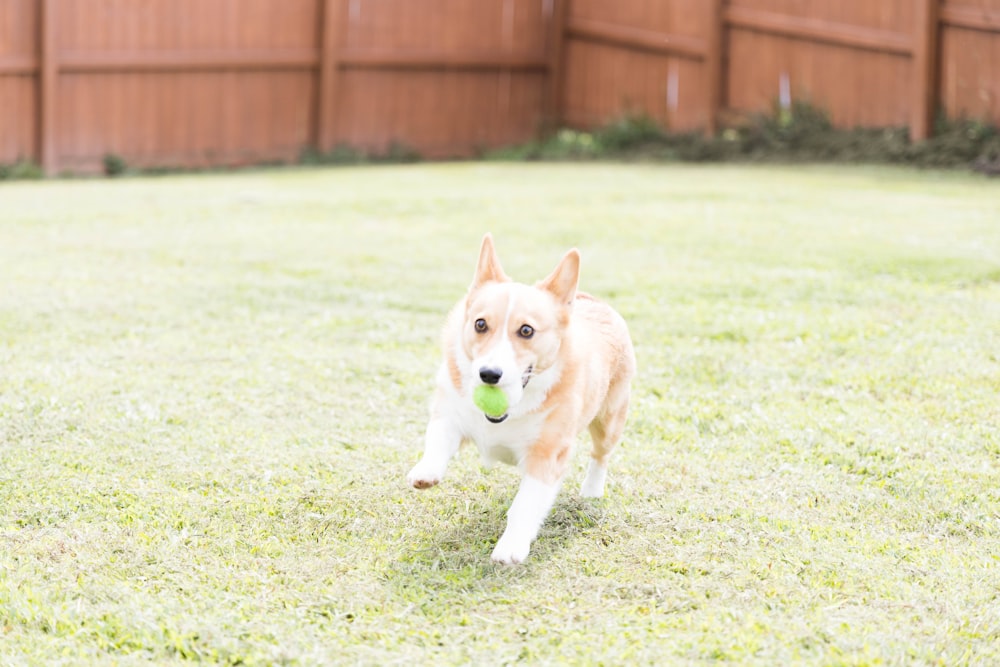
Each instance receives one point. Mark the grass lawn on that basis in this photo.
(211, 388)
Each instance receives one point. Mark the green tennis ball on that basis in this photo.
(490, 400)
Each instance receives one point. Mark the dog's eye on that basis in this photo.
(481, 326)
(526, 331)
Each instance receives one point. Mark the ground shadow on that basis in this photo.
(459, 557)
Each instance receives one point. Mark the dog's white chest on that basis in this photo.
(507, 442)
(499, 454)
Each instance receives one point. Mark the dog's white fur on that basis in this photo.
(568, 370)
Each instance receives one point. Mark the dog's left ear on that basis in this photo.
(562, 282)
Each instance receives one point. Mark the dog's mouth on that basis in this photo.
(525, 377)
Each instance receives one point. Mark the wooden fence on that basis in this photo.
(210, 82)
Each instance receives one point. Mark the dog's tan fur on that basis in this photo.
(573, 371)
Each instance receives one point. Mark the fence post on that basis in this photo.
(925, 50)
(48, 73)
(329, 72)
(555, 59)
(714, 72)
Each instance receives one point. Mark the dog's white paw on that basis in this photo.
(593, 483)
(424, 476)
(510, 551)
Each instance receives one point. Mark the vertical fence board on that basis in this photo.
(329, 70)
(925, 46)
(48, 87)
(714, 59)
(558, 11)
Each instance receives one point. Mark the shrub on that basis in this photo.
(629, 133)
(20, 170)
(343, 154)
(114, 165)
(798, 134)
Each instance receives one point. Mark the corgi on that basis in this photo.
(563, 359)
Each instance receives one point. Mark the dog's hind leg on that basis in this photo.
(606, 430)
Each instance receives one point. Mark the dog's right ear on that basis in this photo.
(488, 269)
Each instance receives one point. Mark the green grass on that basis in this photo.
(211, 388)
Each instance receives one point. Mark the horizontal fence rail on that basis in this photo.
(974, 18)
(219, 83)
(818, 31)
(187, 61)
(638, 38)
(361, 59)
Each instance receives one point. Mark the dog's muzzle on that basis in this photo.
(524, 383)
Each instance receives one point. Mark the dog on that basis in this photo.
(563, 359)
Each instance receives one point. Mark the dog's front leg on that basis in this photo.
(531, 505)
(440, 444)
(544, 467)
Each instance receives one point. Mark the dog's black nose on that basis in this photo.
(490, 375)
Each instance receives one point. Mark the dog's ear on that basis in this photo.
(562, 282)
(488, 269)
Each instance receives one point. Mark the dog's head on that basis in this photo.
(513, 331)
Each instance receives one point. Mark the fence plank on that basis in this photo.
(325, 132)
(925, 49)
(48, 149)
(715, 57)
(553, 113)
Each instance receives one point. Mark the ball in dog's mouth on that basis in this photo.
(492, 401)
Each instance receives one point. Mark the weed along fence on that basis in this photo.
(215, 82)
